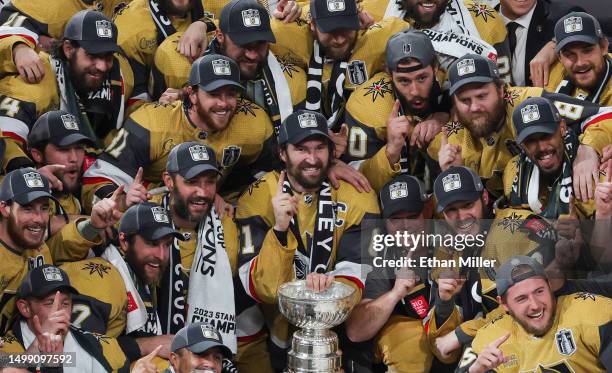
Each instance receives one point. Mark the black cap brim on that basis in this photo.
(463, 82)
(457, 197)
(303, 135)
(73, 139)
(329, 24)
(526, 132)
(194, 171)
(156, 234)
(200, 347)
(589, 39)
(407, 206)
(99, 47)
(43, 291)
(216, 84)
(243, 38)
(27, 198)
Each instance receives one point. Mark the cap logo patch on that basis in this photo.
(530, 113)
(33, 180)
(104, 29)
(451, 182)
(160, 215)
(398, 190)
(307, 120)
(336, 5)
(70, 122)
(565, 342)
(209, 333)
(198, 153)
(572, 24)
(52, 274)
(250, 18)
(466, 66)
(407, 48)
(221, 67)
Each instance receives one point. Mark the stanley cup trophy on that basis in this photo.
(313, 348)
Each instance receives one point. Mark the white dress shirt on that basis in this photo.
(519, 74)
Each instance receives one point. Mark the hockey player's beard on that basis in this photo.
(538, 332)
(80, 81)
(483, 124)
(424, 20)
(168, 8)
(297, 172)
(181, 207)
(137, 264)
(18, 234)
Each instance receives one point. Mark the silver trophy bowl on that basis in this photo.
(314, 347)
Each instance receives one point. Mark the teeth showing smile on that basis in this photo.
(154, 265)
(428, 5)
(536, 316)
(466, 225)
(35, 229)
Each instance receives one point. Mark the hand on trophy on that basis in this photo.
(319, 281)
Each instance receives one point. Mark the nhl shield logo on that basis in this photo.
(70, 122)
(208, 332)
(307, 120)
(564, 339)
(466, 66)
(398, 190)
(159, 214)
(357, 72)
(451, 182)
(572, 24)
(335, 5)
(530, 113)
(198, 153)
(231, 154)
(52, 274)
(33, 180)
(250, 18)
(221, 67)
(104, 29)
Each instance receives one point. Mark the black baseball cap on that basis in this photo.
(214, 71)
(57, 127)
(24, 185)
(409, 43)
(44, 280)
(577, 26)
(302, 124)
(535, 115)
(246, 21)
(149, 220)
(471, 68)
(402, 193)
(457, 184)
(515, 270)
(199, 337)
(330, 15)
(190, 159)
(93, 31)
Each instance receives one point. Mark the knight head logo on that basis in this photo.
(160, 215)
(70, 122)
(33, 180)
(530, 113)
(52, 274)
(307, 120)
(336, 5)
(466, 66)
(104, 28)
(199, 153)
(398, 190)
(451, 182)
(572, 24)
(221, 67)
(250, 18)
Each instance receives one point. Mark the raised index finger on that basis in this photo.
(281, 182)
(395, 110)
(153, 353)
(138, 177)
(499, 341)
(56, 302)
(117, 193)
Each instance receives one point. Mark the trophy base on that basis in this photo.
(313, 351)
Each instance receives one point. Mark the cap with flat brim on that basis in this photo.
(160, 232)
(194, 171)
(27, 198)
(543, 128)
(203, 346)
(589, 39)
(329, 24)
(303, 135)
(99, 47)
(475, 79)
(73, 139)
(457, 197)
(216, 84)
(242, 38)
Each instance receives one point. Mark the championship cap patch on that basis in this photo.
(198, 153)
(52, 274)
(70, 122)
(451, 182)
(307, 120)
(104, 28)
(250, 18)
(530, 113)
(336, 5)
(209, 333)
(160, 215)
(572, 24)
(221, 67)
(33, 180)
(466, 66)
(398, 190)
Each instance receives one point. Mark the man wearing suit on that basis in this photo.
(532, 22)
